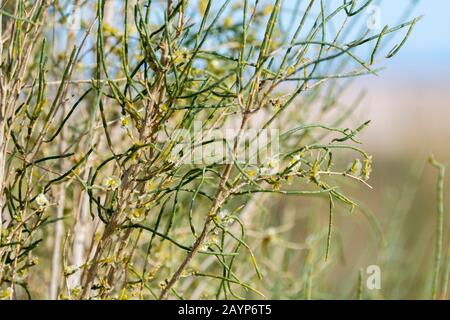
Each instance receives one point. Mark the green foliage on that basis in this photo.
(91, 116)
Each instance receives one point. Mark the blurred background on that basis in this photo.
(409, 105)
(410, 110)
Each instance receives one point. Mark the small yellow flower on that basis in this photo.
(227, 22)
(356, 168)
(290, 71)
(214, 65)
(75, 292)
(182, 55)
(163, 108)
(213, 240)
(276, 186)
(111, 183)
(276, 103)
(267, 10)
(151, 185)
(69, 270)
(34, 261)
(123, 295)
(136, 215)
(110, 29)
(270, 167)
(272, 163)
(125, 121)
(314, 174)
(252, 172)
(6, 294)
(42, 200)
(367, 168)
(97, 236)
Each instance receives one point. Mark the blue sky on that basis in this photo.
(432, 35)
(428, 48)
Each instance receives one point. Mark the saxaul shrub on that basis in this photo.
(115, 169)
